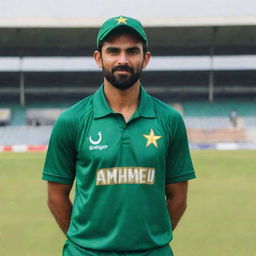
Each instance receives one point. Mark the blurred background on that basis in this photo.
(203, 64)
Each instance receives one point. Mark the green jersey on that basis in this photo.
(121, 169)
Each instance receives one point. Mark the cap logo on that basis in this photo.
(121, 19)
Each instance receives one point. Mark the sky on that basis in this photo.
(101, 9)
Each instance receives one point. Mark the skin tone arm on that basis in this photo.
(176, 201)
(60, 204)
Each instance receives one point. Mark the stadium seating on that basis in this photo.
(210, 123)
(24, 135)
(5, 116)
(219, 108)
(217, 135)
(205, 122)
(46, 116)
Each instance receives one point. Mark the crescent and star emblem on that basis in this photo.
(97, 141)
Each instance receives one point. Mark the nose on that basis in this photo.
(122, 59)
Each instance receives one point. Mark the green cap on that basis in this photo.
(113, 23)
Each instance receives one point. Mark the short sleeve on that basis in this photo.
(61, 155)
(179, 165)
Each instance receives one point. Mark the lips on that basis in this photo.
(122, 69)
(122, 72)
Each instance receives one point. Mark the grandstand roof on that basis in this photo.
(65, 13)
(162, 41)
(69, 28)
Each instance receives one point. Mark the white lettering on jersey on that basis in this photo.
(101, 177)
(133, 175)
(125, 175)
(111, 176)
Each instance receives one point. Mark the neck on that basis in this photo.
(124, 102)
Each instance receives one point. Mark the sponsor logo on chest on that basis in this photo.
(95, 143)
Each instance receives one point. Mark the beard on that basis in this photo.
(122, 81)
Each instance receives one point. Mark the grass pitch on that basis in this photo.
(220, 219)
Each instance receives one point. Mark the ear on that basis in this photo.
(97, 58)
(146, 59)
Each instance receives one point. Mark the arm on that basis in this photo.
(59, 204)
(176, 201)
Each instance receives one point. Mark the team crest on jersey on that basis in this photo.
(152, 138)
(95, 141)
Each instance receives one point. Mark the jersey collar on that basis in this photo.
(101, 107)
(100, 104)
(146, 106)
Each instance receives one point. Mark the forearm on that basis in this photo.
(176, 195)
(60, 204)
(176, 209)
(61, 208)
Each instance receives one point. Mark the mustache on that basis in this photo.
(123, 68)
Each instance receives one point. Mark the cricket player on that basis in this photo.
(127, 154)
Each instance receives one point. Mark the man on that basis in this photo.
(128, 153)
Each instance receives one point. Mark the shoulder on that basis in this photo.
(165, 111)
(77, 112)
(69, 123)
(169, 118)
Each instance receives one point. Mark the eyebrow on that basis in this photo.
(109, 49)
(112, 48)
(135, 48)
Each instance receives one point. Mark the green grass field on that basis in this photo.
(220, 220)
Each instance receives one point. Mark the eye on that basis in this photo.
(133, 51)
(112, 50)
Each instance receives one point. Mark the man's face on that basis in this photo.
(122, 60)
